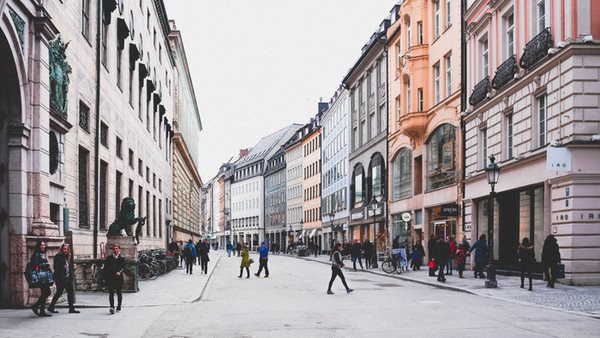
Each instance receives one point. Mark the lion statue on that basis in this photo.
(126, 220)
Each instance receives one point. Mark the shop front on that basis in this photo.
(443, 221)
(369, 223)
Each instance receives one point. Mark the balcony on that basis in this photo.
(536, 49)
(480, 91)
(414, 125)
(505, 73)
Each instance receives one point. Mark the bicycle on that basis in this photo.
(391, 265)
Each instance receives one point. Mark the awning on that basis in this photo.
(312, 233)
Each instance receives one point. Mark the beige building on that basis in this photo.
(187, 126)
(311, 164)
(294, 153)
(424, 135)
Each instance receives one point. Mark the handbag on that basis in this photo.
(250, 261)
(559, 271)
(37, 278)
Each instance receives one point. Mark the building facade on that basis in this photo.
(187, 125)
(367, 85)
(532, 74)
(275, 198)
(424, 134)
(334, 174)
(311, 185)
(293, 186)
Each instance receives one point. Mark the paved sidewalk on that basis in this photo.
(582, 300)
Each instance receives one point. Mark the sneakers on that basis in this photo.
(73, 311)
(267, 276)
(118, 309)
(349, 290)
(257, 275)
(329, 292)
(112, 310)
(51, 309)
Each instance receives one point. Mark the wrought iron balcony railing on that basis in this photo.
(536, 49)
(505, 73)
(480, 91)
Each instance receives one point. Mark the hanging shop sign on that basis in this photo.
(449, 209)
(558, 159)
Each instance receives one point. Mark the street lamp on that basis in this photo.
(374, 208)
(493, 172)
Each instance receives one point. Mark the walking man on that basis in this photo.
(356, 252)
(238, 248)
(113, 270)
(441, 258)
(264, 258)
(189, 252)
(481, 256)
(204, 257)
(336, 269)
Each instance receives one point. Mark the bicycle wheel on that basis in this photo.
(162, 267)
(144, 272)
(388, 267)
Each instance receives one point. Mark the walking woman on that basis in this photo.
(527, 260)
(550, 259)
(245, 262)
(113, 269)
(336, 270)
(38, 259)
(63, 276)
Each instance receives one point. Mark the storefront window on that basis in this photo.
(377, 172)
(402, 174)
(441, 166)
(538, 221)
(401, 228)
(358, 184)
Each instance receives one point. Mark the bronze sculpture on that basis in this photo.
(126, 219)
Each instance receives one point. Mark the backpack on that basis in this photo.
(187, 251)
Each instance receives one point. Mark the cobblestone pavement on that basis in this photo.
(587, 300)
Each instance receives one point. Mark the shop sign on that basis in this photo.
(558, 159)
(338, 227)
(227, 232)
(358, 215)
(449, 210)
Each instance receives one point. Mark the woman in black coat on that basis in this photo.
(40, 262)
(550, 259)
(63, 276)
(527, 261)
(113, 273)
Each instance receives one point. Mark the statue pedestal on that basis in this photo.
(129, 251)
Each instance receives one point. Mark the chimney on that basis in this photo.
(244, 152)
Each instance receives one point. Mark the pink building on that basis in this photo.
(532, 78)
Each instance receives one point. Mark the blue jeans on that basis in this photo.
(449, 266)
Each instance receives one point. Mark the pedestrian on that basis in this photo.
(355, 253)
(432, 267)
(442, 254)
(452, 245)
(181, 256)
(203, 253)
(189, 252)
(336, 270)
(481, 256)
(465, 243)
(198, 245)
(431, 246)
(264, 258)
(550, 259)
(526, 260)
(416, 258)
(40, 262)
(245, 262)
(113, 274)
(229, 248)
(421, 253)
(461, 260)
(368, 250)
(238, 248)
(63, 277)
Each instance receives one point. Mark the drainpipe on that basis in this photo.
(97, 136)
(463, 104)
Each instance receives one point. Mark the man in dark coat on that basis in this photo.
(238, 248)
(63, 276)
(550, 259)
(481, 255)
(356, 253)
(431, 244)
(113, 274)
(203, 254)
(368, 249)
(442, 253)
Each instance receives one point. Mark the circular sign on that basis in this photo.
(406, 217)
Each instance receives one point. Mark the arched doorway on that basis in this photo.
(10, 113)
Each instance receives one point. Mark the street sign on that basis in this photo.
(406, 217)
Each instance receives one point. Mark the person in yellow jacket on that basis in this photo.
(245, 262)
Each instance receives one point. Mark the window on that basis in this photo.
(402, 174)
(131, 87)
(436, 27)
(420, 32)
(373, 124)
(84, 116)
(398, 54)
(83, 155)
(104, 134)
(441, 157)
(377, 182)
(484, 58)
(448, 14)
(408, 95)
(510, 35)
(542, 120)
(541, 15)
(398, 108)
(148, 19)
(436, 78)
(118, 182)
(131, 158)
(160, 53)
(448, 63)
(420, 99)
(363, 135)
(119, 62)
(484, 147)
(104, 39)
(358, 184)
(85, 18)
(119, 148)
(509, 135)
(102, 216)
(140, 167)
(408, 32)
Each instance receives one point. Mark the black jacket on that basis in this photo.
(203, 252)
(111, 267)
(550, 252)
(62, 269)
(442, 253)
(356, 249)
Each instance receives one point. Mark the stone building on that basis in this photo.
(334, 174)
(424, 135)
(532, 77)
(85, 122)
(311, 185)
(293, 186)
(367, 85)
(275, 199)
(187, 125)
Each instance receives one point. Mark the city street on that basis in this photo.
(293, 302)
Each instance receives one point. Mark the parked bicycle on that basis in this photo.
(154, 263)
(391, 264)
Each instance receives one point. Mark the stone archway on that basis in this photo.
(10, 115)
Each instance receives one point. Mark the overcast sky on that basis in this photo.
(259, 65)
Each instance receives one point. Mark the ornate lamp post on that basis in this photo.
(493, 172)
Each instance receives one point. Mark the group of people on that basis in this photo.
(247, 261)
(356, 251)
(196, 254)
(114, 266)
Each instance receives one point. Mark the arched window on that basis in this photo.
(358, 181)
(377, 171)
(441, 157)
(402, 174)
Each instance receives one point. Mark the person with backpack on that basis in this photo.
(189, 252)
(63, 276)
(40, 262)
(336, 270)
(264, 258)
